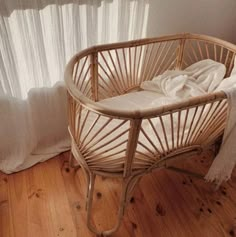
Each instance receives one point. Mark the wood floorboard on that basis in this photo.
(5, 224)
(38, 198)
(48, 200)
(18, 201)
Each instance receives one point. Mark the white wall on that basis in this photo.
(211, 17)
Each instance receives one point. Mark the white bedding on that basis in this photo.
(200, 78)
(197, 79)
(222, 166)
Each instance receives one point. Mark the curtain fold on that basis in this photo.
(37, 38)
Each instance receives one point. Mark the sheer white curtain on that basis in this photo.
(37, 38)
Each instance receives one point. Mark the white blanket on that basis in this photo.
(199, 78)
(222, 166)
(225, 161)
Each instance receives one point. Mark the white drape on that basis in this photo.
(37, 38)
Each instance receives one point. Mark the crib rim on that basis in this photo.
(144, 113)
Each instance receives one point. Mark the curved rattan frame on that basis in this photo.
(109, 70)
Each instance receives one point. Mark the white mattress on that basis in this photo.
(137, 101)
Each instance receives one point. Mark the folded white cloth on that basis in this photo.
(222, 166)
(227, 83)
(200, 78)
(225, 161)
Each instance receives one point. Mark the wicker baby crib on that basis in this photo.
(118, 143)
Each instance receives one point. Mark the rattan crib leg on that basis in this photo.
(127, 188)
(72, 162)
(90, 184)
(133, 182)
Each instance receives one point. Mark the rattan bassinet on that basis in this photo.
(117, 143)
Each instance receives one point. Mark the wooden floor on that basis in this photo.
(48, 200)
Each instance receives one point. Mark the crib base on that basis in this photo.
(128, 185)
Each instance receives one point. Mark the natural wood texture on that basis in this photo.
(6, 228)
(48, 200)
